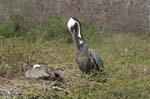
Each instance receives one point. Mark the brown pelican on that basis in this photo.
(40, 72)
(87, 58)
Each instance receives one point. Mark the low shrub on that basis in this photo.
(9, 28)
(57, 28)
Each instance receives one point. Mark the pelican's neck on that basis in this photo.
(79, 39)
(75, 27)
(79, 30)
(79, 42)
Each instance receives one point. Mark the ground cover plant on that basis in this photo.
(126, 59)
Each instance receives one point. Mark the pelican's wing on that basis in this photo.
(36, 73)
(96, 59)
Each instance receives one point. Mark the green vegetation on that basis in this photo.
(8, 28)
(126, 58)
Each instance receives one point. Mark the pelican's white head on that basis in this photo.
(36, 65)
(73, 23)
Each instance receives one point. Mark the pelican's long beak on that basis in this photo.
(71, 28)
(75, 39)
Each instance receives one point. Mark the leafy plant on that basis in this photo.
(9, 28)
(57, 29)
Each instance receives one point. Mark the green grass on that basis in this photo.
(126, 59)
